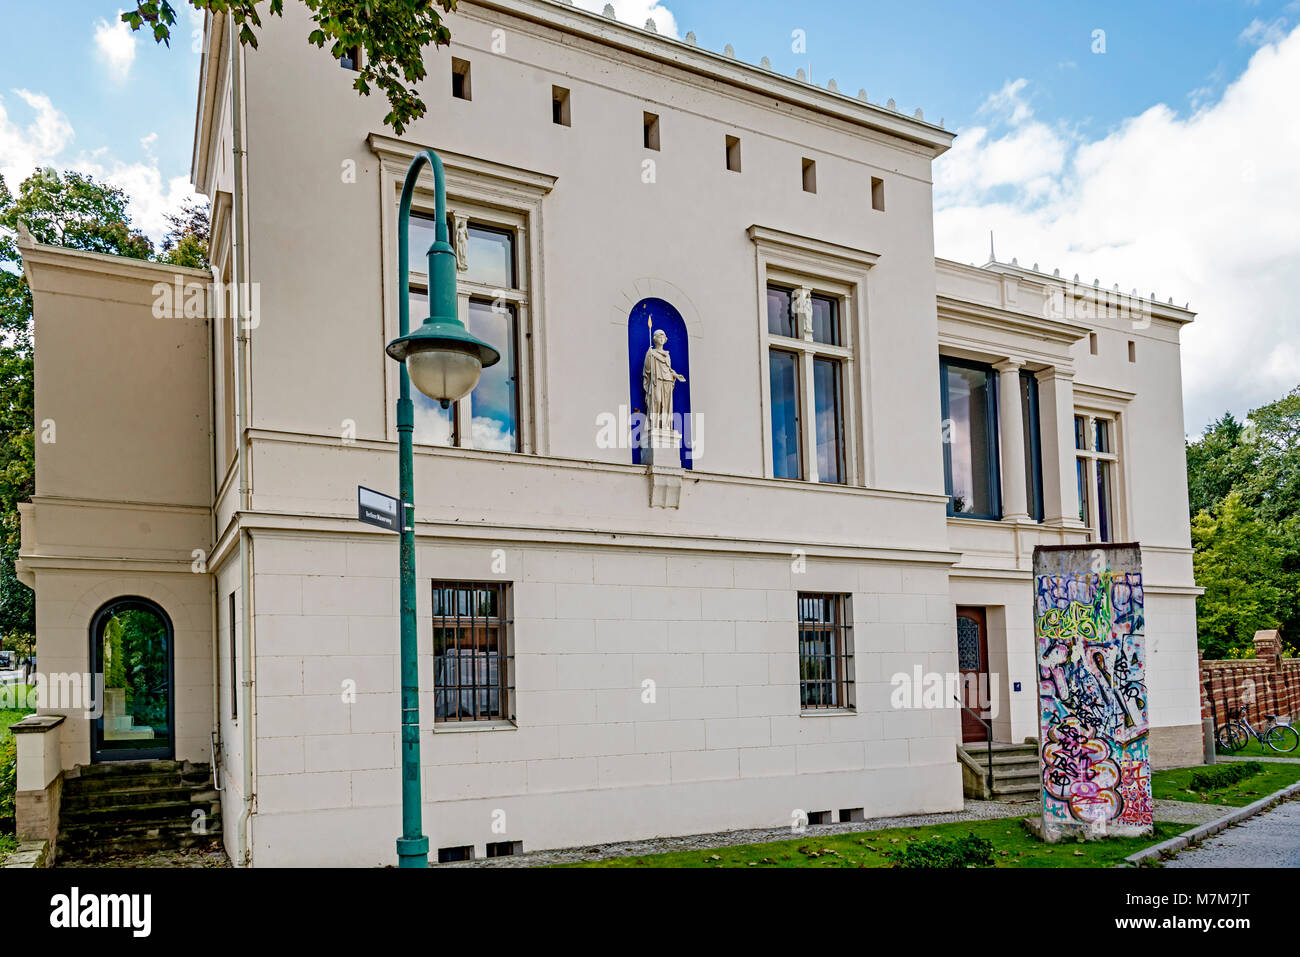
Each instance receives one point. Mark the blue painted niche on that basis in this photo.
(646, 317)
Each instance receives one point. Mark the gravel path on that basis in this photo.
(1271, 839)
(1186, 812)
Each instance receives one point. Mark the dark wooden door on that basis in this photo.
(973, 663)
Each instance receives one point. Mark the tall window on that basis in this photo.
(825, 651)
(1096, 472)
(968, 395)
(1033, 445)
(806, 381)
(490, 300)
(473, 659)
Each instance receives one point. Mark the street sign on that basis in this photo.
(376, 508)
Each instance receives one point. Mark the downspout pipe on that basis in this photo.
(239, 241)
(218, 313)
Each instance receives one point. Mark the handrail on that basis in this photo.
(988, 730)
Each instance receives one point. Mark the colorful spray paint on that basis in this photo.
(1089, 626)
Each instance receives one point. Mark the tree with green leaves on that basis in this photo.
(186, 243)
(1258, 461)
(392, 33)
(1238, 560)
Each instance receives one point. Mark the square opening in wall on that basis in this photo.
(809, 175)
(351, 59)
(820, 817)
(733, 153)
(851, 815)
(448, 855)
(460, 79)
(1132, 351)
(650, 130)
(560, 106)
(505, 848)
(1092, 343)
(878, 193)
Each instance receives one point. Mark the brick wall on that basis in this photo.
(1265, 684)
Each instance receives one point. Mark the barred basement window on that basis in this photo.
(473, 654)
(825, 651)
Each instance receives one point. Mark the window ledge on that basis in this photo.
(460, 727)
(826, 712)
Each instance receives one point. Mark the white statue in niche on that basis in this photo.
(462, 242)
(657, 381)
(802, 308)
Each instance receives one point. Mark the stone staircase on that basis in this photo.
(134, 807)
(1015, 771)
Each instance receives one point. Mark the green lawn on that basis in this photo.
(1175, 784)
(1256, 750)
(1013, 846)
(10, 716)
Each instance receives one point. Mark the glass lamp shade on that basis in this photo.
(444, 375)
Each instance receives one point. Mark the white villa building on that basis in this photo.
(609, 650)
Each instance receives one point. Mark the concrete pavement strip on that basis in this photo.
(1235, 816)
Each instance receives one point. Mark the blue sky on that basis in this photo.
(1163, 162)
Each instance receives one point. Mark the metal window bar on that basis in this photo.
(473, 653)
(825, 652)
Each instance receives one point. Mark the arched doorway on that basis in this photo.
(131, 647)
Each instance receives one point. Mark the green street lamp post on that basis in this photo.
(445, 362)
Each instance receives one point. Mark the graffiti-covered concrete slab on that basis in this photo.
(1088, 621)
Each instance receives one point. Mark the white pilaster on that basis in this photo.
(1011, 432)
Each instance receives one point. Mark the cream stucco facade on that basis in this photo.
(211, 466)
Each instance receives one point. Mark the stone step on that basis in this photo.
(131, 807)
(91, 798)
(75, 848)
(159, 811)
(1001, 790)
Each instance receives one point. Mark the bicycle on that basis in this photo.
(1235, 735)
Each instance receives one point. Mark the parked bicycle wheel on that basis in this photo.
(1233, 737)
(1282, 738)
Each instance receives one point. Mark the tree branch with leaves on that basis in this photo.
(392, 34)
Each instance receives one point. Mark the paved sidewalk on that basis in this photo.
(1271, 839)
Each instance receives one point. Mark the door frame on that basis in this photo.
(980, 615)
(99, 753)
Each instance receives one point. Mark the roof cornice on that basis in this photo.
(719, 67)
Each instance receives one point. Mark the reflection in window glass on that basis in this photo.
(971, 442)
(1104, 485)
(495, 400)
(830, 421)
(1103, 436)
(780, 319)
(491, 257)
(784, 373)
(422, 234)
(826, 320)
(1081, 466)
(1080, 432)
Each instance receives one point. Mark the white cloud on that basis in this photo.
(1201, 207)
(23, 149)
(1257, 33)
(115, 44)
(45, 141)
(637, 12)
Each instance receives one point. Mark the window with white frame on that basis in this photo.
(490, 299)
(806, 358)
(1096, 444)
